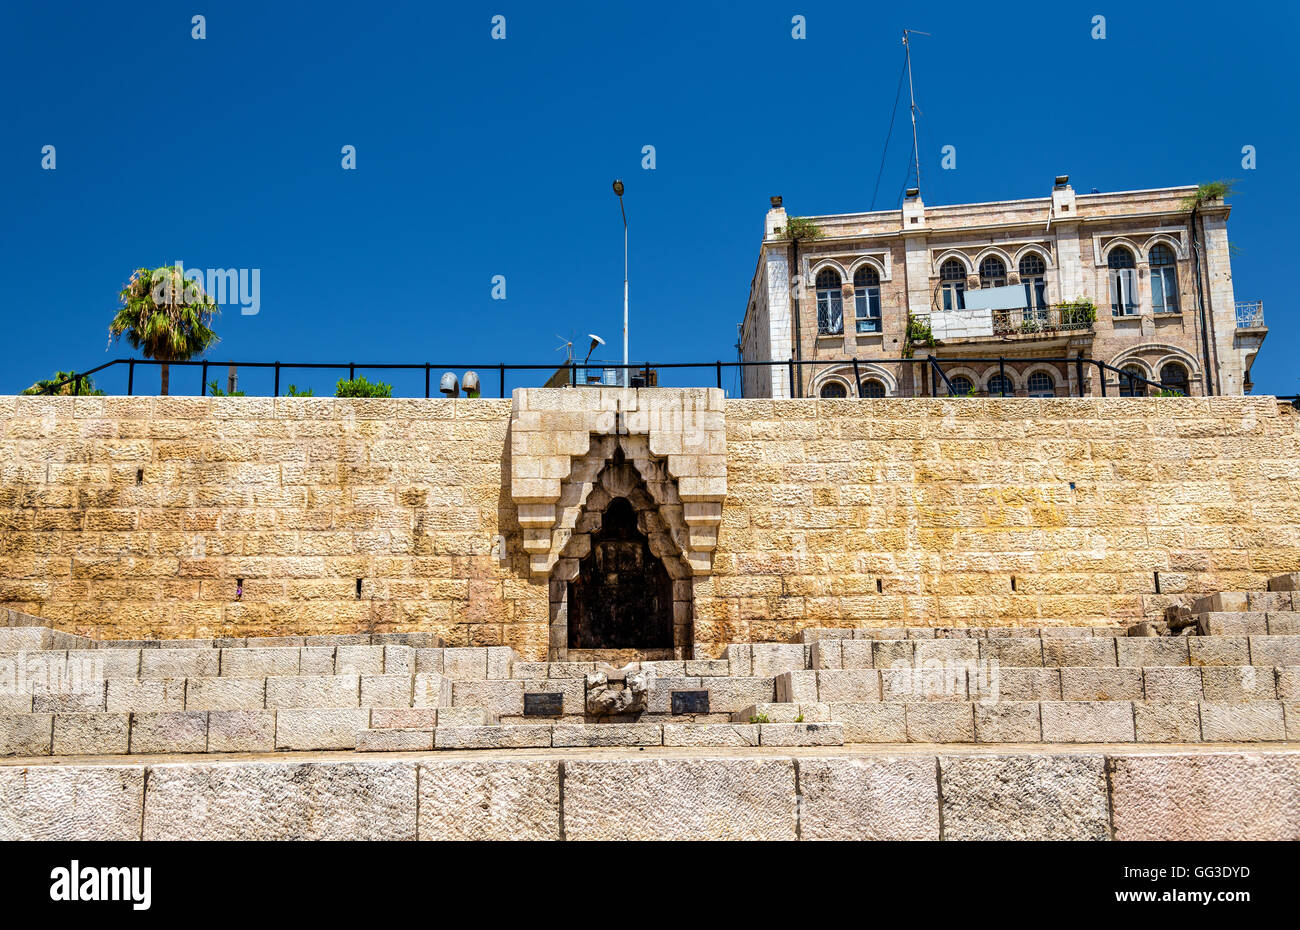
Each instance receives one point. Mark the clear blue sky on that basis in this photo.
(478, 157)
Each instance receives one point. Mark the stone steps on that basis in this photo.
(580, 736)
(1067, 721)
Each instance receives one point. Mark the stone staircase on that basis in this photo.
(1222, 669)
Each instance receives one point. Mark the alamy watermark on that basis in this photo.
(240, 287)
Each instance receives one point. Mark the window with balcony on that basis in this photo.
(871, 387)
(1033, 275)
(1164, 280)
(993, 272)
(1174, 377)
(1123, 282)
(866, 297)
(952, 282)
(1040, 384)
(1001, 386)
(830, 304)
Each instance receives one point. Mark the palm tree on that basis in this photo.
(166, 315)
(86, 387)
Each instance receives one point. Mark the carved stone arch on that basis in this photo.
(822, 264)
(1175, 245)
(994, 252)
(1035, 248)
(942, 257)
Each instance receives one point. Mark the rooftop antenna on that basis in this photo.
(916, 150)
(565, 346)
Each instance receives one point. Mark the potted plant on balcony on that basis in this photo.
(1079, 313)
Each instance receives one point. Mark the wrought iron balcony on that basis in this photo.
(1250, 314)
(1030, 320)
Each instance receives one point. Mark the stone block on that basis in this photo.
(180, 663)
(316, 660)
(1087, 721)
(857, 653)
(26, 734)
(464, 716)
(460, 664)
(110, 663)
(428, 661)
(241, 731)
(1167, 721)
(1141, 651)
(892, 653)
(1232, 684)
(431, 690)
(1283, 623)
(786, 713)
(825, 653)
(145, 695)
(871, 722)
(940, 722)
(259, 662)
(740, 659)
(1274, 650)
(796, 687)
(386, 690)
(508, 736)
(359, 660)
(1015, 684)
(91, 734)
(800, 734)
(707, 668)
(1008, 722)
(945, 652)
(499, 660)
(573, 692)
(529, 670)
(499, 696)
(868, 798)
(79, 803)
(392, 739)
(304, 691)
(712, 734)
(728, 695)
(1253, 623)
(317, 800)
(855, 686)
(771, 659)
(509, 799)
(225, 693)
(1078, 651)
(1014, 652)
(89, 697)
(679, 799)
(923, 684)
(1219, 650)
(1024, 797)
(1287, 582)
(1259, 721)
(1212, 796)
(1101, 684)
(399, 660)
(606, 734)
(1288, 683)
(312, 729)
(658, 699)
(404, 718)
(1177, 683)
(177, 731)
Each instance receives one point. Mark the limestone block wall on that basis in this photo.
(182, 517)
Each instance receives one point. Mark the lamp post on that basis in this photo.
(618, 190)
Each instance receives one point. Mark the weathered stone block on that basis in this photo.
(1232, 684)
(309, 729)
(771, 659)
(431, 690)
(91, 734)
(1070, 651)
(241, 731)
(26, 734)
(607, 734)
(386, 690)
(1015, 684)
(79, 803)
(1024, 797)
(512, 799)
(508, 736)
(364, 800)
(180, 731)
(1172, 684)
(923, 684)
(871, 798)
(392, 739)
(1101, 684)
(1274, 650)
(1008, 722)
(871, 722)
(712, 734)
(1219, 650)
(857, 685)
(501, 696)
(180, 663)
(940, 722)
(857, 653)
(313, 691)
(465, 663)
(800, 734)
(316, 660)
(678, 799)
(1260, 721)
(1206, 796)
(1153, 650)
(1167, 721)
(257, 662)
(796, 687)
(1087, 721)
(728, 695)
(1232, 624)
(90, 697)
(359, 660)
(225, 693)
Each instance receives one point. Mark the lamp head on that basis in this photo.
(618, 188)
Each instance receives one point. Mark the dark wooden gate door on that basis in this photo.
(623, 596)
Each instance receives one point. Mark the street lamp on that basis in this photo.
(618, 190)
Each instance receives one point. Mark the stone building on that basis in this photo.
(1132, 279)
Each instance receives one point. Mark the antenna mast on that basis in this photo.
(916, 150)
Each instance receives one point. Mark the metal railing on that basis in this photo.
(652, 373)
(1250, 314)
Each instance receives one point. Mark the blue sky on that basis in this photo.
(478, 158)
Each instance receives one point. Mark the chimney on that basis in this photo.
(1063, 207)
(776, 220)
(913, 211)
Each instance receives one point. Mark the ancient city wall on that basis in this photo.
(133, 517)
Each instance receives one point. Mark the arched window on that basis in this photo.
(871, 388)
(1001, 386)
(1164, 279)
(952, 280)
(830, 304)
(961, 385)
(1033, 275)
(1041, 385)
(834, 389)
(1123, 282)
(1173, 376)
(1129, 388)
(866, 295)
(993, 273)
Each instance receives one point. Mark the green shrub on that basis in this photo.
(215, 390)
(305, 392)
(800, 227)
(1078, 312)
(360, 387)
(760, 718)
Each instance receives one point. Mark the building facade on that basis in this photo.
(1011, 298)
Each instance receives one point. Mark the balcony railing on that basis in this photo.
(1030, 320)
(1250, 314)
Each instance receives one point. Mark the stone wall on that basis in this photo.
(139, 517)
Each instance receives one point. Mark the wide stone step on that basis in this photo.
(1067, 722)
